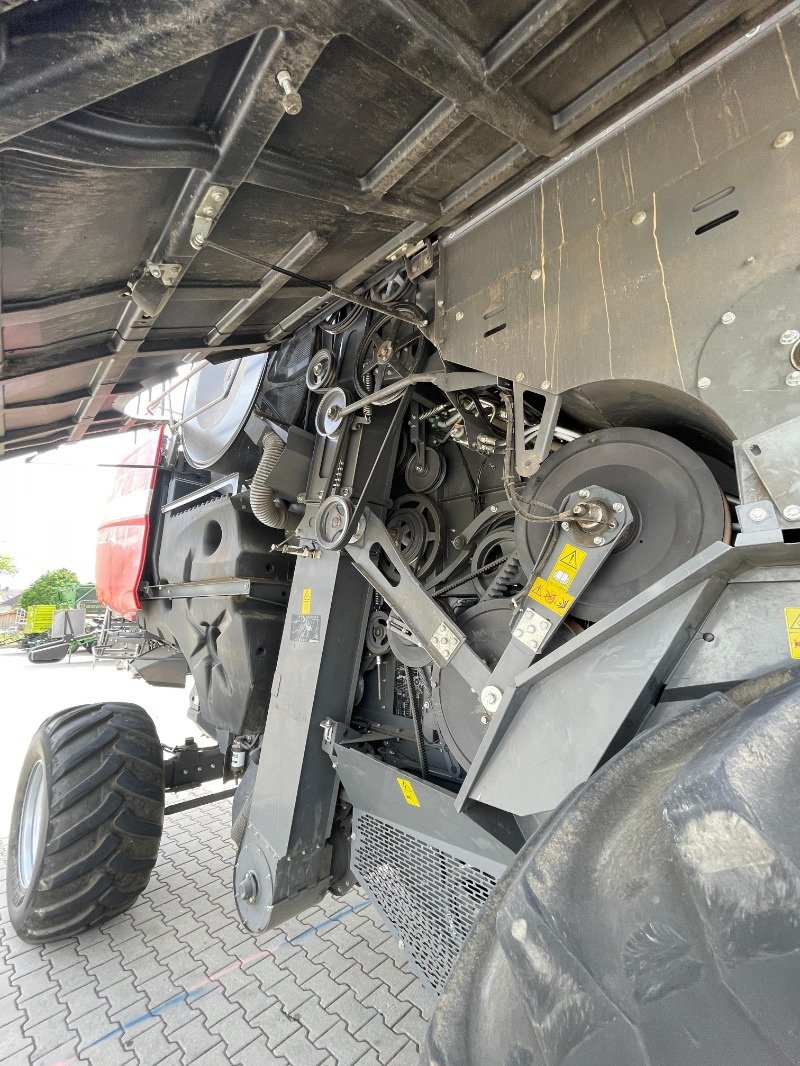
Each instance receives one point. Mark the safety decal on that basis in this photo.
(306, 608)
(567, 565)
(409, 795)
(551, 594)
(793, 630)
(305, 628)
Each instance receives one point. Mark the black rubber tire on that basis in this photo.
(102, 819)
(655, 919)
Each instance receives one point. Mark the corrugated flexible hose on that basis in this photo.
(262, 501)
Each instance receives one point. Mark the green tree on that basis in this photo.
(7, 565)
(55, 586)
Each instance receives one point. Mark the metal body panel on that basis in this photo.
(599, 274)
(373, 786)
(550, 734)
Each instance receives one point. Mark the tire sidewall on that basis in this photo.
(20, 899)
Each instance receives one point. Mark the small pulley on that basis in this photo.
(321, 371)
(331, 522)
(329, 413)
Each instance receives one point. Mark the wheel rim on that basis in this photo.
(30, 825)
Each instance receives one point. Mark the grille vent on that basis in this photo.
(431, 898)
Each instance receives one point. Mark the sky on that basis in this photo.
(50, 508)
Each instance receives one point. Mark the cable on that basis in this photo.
(403, 312)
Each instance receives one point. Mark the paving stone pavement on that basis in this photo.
(177, 980)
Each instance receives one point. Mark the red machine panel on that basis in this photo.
(122, 536)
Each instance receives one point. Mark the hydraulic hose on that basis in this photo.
(262, 501)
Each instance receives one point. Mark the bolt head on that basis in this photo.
(200, 239)
(728, 318)
(599, 541)
(792, 512)
(517, 632)
(790, 336)
(536, 274)
(565, 525)
(639, 218)
(484, 719)
(618, 507)
(584, 494)
(459, 315)
(703, 383)
(545, 384)
(216, 196)
(493, 508)
(757, 514)
(793, 378)
(783, 139)
(520, 376)
(292, 103)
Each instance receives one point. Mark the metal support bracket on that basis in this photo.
(602, 519)
(432, 626)
(528, 460)
(206, 214)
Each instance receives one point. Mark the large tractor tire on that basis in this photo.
(87, 820)
(655, 919)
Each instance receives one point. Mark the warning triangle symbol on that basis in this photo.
(570, 558)
(794, 623)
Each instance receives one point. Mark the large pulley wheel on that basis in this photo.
(389, 351)
(415, 526)
(678, 509)
(653, 920)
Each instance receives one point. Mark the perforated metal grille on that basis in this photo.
(284, 389)
(431, 898)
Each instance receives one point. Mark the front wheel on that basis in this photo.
(87, 820)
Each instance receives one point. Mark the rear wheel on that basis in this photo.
(655, 919)
(87, 820)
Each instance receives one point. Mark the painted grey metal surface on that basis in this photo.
(295, 788)
(549, 735)
(745, 633)
(374, 786)
(607, 292)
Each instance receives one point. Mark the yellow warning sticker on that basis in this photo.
(409, 795)
(793, 630)
(567, 565)
(551, 594)
(306, 608)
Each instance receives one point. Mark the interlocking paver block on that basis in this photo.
(299, 1050)
(275, 1024)
(342, 1045)
(412, 1024)
(194, 1039)
(379, 1036)
(352, 1013)
(362, 984)
(290, 994)
(324, 988)
(235, 1031)
(314, 1018)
